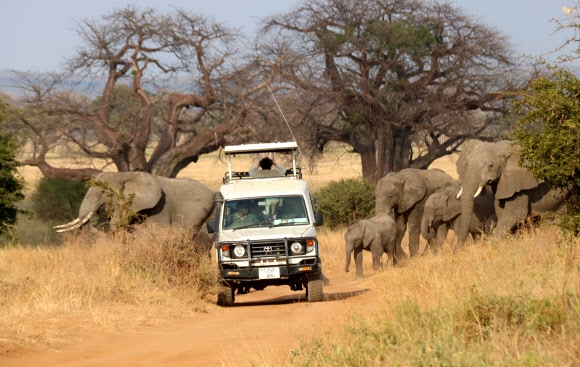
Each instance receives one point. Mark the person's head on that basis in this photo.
(266, 163)
(243, 208)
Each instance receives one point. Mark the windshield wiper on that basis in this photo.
(246, 226)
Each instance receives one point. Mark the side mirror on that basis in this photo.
(210, 226)
(319, 220)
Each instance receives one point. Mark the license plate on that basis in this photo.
(269, 273)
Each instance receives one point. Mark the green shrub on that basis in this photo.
(58, 200)
(347, 201)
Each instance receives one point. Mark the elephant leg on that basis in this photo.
(440, 238)
(401, 225)
(377, 252)
(511, 213)
(414, 226)
(358, 261)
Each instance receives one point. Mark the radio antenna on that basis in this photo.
(286, 121)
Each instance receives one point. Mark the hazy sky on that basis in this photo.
(37, 34)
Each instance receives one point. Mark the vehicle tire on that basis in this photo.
(314, 288)
(225, 296)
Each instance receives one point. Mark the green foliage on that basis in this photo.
(11, 185)
(58, 200)
(549, 135)
(119, 206)
(347, 201)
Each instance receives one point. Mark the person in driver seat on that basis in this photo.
(242, 216)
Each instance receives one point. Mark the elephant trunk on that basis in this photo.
(426, 227)
(348, 248)
(467, 200)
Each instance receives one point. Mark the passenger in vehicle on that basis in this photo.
(292, 208)
(258, 211)
(264, 169)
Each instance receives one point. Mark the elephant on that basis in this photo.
(377, 235)
(517, 193)
(405, 192)
(443, 210)
(157, 200)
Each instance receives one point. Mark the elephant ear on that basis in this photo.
(452, 205)
(368, 236)
(514, 178)
(461, 163)
(413, 191)
(147, 191)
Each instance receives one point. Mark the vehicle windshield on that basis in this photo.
(264, 212)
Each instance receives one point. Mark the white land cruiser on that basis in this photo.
(265, 229)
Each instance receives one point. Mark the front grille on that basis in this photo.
(268, 249)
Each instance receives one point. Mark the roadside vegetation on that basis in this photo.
(49, 294)
(501, 302)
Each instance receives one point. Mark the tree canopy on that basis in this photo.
(174, 82)
(549, 135)
(403, 82)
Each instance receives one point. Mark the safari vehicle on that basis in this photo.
(275, 243)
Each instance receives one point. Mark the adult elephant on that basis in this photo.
(377, 235)
(443, 212)
(517, 193)
(156, 199)
(405, 192)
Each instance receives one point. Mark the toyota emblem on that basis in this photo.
(268, 249)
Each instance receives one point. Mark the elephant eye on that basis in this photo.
(490, 166)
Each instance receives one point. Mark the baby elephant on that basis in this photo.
(442, 212)
(377, 235)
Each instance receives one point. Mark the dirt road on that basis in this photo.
(262, 323)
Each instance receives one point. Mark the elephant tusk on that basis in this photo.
(459, 193)
(77, 225)
(478, 191)
(68, 224)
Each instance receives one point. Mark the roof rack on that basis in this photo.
(246, 175)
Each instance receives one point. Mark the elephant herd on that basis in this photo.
(496, 194)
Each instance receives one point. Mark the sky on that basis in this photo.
(36, 35)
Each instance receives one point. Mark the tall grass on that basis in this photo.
(112, 282)
(501, 302)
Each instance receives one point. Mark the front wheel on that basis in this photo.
(314, 288)
(225, 296)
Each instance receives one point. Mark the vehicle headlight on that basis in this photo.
(239, 251)
(296, 247)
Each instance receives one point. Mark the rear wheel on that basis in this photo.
(225, 296)
(314, 288)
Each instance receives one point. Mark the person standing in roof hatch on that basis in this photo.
(264, 169)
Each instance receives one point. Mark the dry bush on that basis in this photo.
(112, 282)
(511, 301)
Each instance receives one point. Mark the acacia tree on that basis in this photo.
(390, 73)
(190, 91)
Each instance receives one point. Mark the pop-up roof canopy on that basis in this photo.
(286, 147)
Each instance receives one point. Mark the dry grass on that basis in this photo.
(113, 282)
(504, 302)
